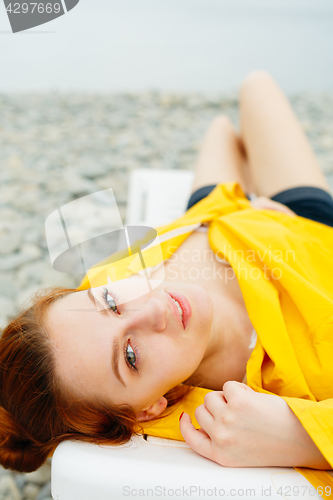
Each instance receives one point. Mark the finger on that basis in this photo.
(215, 403)
(203, 432)
(243, 386)
(204, 417)
(197, 439)
(231, 389)
(285, 209)
(281, 207)
(262, 202)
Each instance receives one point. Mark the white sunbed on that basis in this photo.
(161, 468)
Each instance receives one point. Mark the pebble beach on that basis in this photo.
(57, 147)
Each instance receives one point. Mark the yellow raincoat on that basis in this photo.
(284, 266)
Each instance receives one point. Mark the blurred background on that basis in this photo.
(172, 45)
(116, 85)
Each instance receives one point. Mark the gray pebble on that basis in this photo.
(30, 491)
(28, 252)
(7, 308)
(8, 489)
(19, 480)
(30, 273)
(90, 168)
(41, 475)
(8, 285)
(45, 492)
(9, 243)
(4, 472)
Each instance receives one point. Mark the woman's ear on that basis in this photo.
(152, 411)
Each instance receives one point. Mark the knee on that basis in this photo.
(256, 80)
(221, 122)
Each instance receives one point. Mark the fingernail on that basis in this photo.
(181, 416)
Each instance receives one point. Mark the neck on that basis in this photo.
(227, 351)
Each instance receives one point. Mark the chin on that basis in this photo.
(206, 301)
(201, 304)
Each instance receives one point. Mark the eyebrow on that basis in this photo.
(115, 350)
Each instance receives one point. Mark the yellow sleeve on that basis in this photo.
(317, 420)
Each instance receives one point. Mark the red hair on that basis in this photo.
(36, 411)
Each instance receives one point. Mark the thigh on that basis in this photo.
(279, 154)
(221, 158)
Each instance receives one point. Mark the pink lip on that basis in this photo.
(175, 310)
(185, 306)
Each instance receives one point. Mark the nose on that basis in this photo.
(152, 315)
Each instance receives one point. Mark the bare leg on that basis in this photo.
(222, 157)
(279, 154)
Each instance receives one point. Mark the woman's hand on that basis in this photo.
(263, 202)
(244, 428)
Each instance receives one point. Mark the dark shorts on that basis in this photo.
(306, 201)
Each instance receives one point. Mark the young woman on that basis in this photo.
(69, 370)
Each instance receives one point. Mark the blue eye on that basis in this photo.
(130, 356)
(110, 299)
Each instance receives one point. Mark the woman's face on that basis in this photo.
(130, 353)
